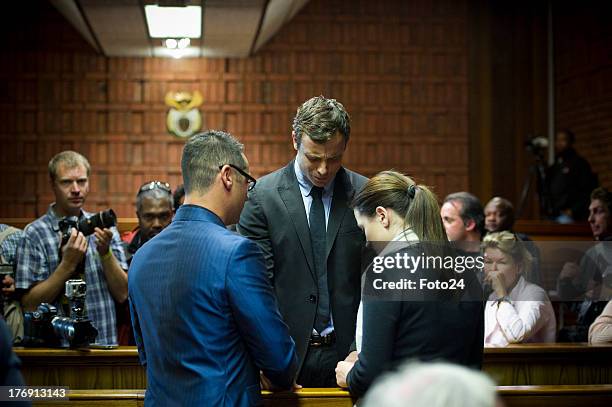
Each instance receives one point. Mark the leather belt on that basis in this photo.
(318, 340)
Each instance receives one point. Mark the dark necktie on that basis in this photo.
(319, 245)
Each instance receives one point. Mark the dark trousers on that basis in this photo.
(319, 367)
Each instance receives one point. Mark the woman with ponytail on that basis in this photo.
(404, 217)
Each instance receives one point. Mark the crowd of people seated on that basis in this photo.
(310, 222)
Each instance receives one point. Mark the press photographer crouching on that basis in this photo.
(91, 251)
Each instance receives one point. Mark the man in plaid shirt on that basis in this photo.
(41, 273)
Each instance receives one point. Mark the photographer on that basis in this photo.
(44, 265)
(11, 310)
(569, 181)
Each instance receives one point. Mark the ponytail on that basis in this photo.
(423, 215)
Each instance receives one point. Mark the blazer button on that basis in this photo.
(312, 298)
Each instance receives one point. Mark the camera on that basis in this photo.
(44, 328)
(536, 145)
(38, 328)
(103, 219)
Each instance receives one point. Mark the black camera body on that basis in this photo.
(44, 328)
(38, 328)
(104, 219)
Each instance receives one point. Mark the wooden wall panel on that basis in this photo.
(583, 80)
(400, 68)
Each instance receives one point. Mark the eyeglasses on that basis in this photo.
(252, 181)
(164, 186)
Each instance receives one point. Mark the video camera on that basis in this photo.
(43, 327)
(537, 145)
(103, 219)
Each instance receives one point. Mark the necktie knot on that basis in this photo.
(316, 192)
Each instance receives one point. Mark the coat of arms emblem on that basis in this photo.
(183, 119)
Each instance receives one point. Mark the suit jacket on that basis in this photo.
(205, 319)
(422, 324)
(275, 218)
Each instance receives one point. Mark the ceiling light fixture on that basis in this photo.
(174, 22)
(170, 43)
(184, 43)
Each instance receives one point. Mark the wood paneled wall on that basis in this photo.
(400, 68)
(446, 91)
(507, 96)
(583, 78)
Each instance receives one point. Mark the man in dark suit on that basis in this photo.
(299, 216)
(204, 315)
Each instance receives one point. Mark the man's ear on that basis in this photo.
(296, 146)
(470, 225)
(226, 178)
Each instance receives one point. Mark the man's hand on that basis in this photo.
(266, 384)
(569, 270)
(74, 250)
(352, 357)
(103, 240)
(8, 286)
(342, 371)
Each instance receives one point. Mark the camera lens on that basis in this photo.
(104, 219)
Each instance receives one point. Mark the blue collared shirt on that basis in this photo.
(306, 189)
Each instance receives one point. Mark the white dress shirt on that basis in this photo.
(526, 316)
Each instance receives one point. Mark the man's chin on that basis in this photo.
(319, 182)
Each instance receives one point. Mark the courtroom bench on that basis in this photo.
(513, 396)
(524, 364)
(538, 230)
(541, 232)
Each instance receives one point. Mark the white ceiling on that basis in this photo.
(230, 28)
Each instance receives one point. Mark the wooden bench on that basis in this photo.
(540, 231)
(557, 396)
(513, 396)
(528, 364)
(535, 229)
(549, 364)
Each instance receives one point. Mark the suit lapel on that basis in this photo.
(342, 190)
(289, 192)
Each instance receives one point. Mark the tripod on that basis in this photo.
(537, 172)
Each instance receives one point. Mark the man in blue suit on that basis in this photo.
(205, 318)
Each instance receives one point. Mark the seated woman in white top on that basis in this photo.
(516, 311)
(600, 332)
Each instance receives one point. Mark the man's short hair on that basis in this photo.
(604, 196)
(202, 156)
(432, 385)
(320, 119)
(69, 159)
(157, 194)
(471, 209)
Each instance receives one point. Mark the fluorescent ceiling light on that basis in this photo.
(174, 22)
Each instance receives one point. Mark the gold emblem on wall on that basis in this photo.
(183, 119)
